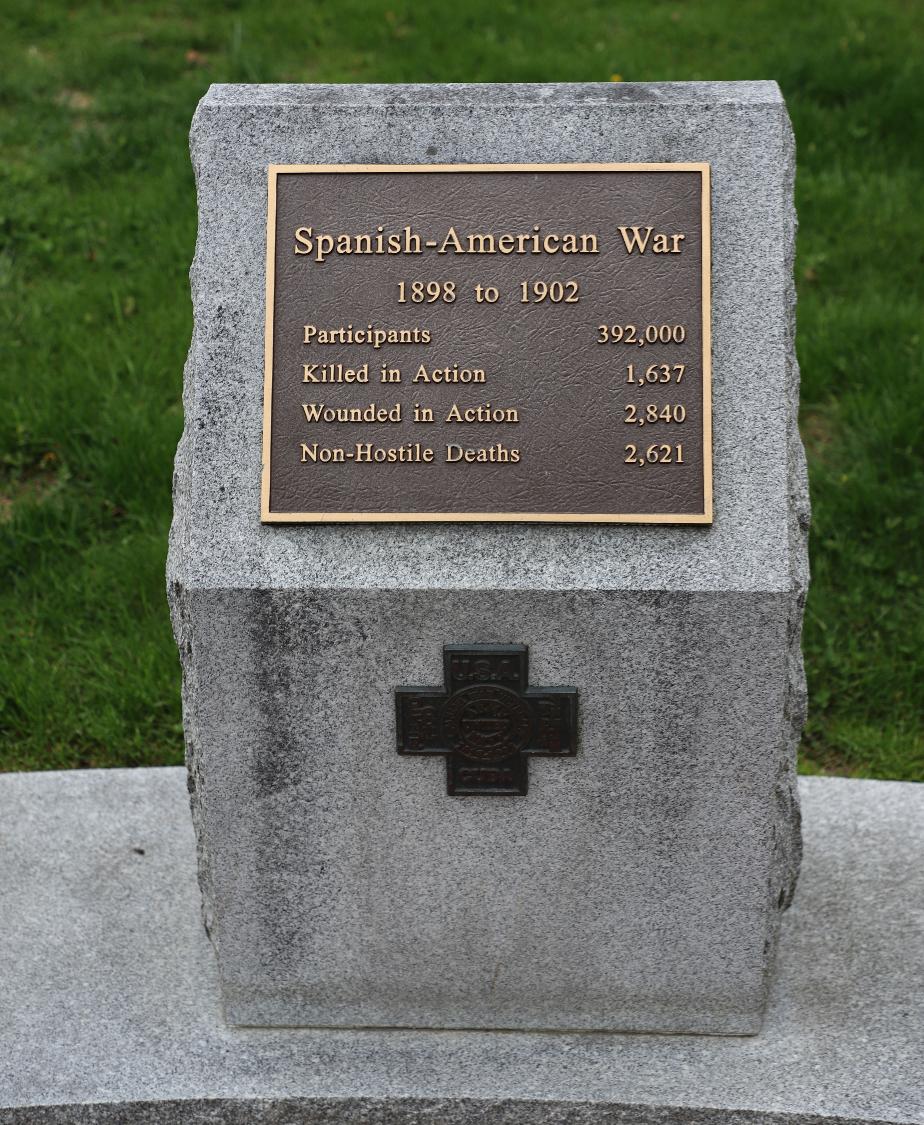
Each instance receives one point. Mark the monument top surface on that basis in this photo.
(496, 93)
(740, 130)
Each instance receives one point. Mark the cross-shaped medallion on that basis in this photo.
(486, 720)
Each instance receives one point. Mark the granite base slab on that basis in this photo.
(110, 1011)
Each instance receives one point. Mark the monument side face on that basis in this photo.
(636, 885)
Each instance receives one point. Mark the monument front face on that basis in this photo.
(476, 739)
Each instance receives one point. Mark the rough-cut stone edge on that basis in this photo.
(787, 829)
(178, 596)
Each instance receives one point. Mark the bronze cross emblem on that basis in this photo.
(486, 720)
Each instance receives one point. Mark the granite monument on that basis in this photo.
(609, 843)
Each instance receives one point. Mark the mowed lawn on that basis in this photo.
(97, 214)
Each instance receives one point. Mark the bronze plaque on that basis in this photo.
(487, 721)
(488, 342)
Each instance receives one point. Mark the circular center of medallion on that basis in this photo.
(486, 723)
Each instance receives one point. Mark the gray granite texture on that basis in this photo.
(741, 128)
(110, 1013)
(638, 886)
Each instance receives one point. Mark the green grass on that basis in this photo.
(97, 225)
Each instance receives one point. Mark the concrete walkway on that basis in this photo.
(109, 1008)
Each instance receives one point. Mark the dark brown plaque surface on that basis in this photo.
(488, 342)
(487, 722)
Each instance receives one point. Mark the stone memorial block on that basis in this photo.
(488, 560)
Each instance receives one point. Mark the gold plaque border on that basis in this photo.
(704, 517)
